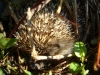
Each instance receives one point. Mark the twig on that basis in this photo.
(57, 57)
(13, 14)
(61, 17)
(97, 62)
(17, 26)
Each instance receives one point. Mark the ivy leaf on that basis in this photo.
(80, 49)
(47, 74)
(1, 54)
(50, 72)
(27, 72)
(85, 72)
(6, 43)
(1, 72)
(12, 68)
(75, 68)
(94, 41)
(1, 35)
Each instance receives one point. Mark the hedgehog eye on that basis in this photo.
(54, 45)
(57, 45)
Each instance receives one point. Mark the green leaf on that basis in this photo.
(1, 35)
(94, 41)
(50, 72)
(80, 49)
(1, 72)
(6, 43)
(12, 68)
(47, 74)
(27, 72)
(85, 72)
(2, 54)
(75, 68)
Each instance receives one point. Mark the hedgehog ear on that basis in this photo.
(29, 16)
(29, 13)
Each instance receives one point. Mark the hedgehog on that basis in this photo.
(51, 35)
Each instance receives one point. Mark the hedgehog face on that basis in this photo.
(60, 46)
